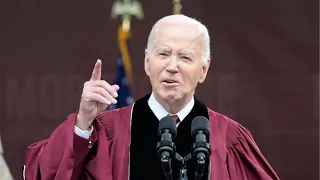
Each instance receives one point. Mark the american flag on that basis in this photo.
(124, 94)
(123, 73)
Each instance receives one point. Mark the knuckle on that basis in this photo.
(84, 94)
(105, 82)
(86, 88)
(87, 83)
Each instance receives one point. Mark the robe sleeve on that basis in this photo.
(66, 155)
(244, 159)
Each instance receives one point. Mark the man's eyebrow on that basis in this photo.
(185, 52)
(162, 49)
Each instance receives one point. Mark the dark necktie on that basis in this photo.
(175, 117)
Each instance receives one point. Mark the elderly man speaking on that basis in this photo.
(121, 144)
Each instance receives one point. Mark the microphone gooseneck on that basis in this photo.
(166, 148)
(200, 131)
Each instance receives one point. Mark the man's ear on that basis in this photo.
(146, 62)
(204, 71)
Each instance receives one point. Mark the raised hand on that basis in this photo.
(97, 95)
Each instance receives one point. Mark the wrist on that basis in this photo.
(82, 123)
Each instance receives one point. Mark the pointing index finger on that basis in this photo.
(96, 73)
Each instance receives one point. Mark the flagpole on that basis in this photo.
(177, 7)
(126, 9)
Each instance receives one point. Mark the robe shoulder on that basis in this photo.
(115, 121)
(244, 159)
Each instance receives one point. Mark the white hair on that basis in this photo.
(180, 18)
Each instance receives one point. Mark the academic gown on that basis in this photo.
(65, 155)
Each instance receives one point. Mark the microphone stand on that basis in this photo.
(166, 149)
(201, 160)
(165, 162)
(201, 150)
(183, 175)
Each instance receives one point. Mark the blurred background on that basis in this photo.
(264, 72)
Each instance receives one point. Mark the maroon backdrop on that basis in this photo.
(264, 70)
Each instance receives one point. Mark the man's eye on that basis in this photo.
(163, 54)
(185, 58)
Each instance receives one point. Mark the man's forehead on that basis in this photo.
(166, 47)
(187, 45)
(178, 31)
(178, 35)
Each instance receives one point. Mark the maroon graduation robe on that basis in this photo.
(65, 155)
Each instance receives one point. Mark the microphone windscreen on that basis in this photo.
(169, 124)
(200, 123)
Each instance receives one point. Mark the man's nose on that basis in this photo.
(173, 64)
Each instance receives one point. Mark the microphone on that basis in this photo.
(166, 148)
(200, 132)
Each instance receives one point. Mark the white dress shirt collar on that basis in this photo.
(161, 112)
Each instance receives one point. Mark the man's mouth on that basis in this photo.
(169, 81)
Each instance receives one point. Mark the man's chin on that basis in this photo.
(170, 96)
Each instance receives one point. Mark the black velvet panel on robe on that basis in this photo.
(144, 161)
